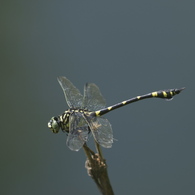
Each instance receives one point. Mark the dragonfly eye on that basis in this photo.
(54, 125)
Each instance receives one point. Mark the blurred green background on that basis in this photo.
(127, 48)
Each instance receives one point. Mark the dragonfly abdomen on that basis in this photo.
(165, 94)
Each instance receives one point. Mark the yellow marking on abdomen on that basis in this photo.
(171, 93)
(97, 113)
(154, 94)
(109, 108)
(164, 94)
(138, 97)
(124, 102)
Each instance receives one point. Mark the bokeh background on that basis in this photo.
(127, 48)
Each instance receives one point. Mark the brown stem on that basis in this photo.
(97, 169)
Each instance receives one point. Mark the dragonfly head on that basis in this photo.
(54, 124)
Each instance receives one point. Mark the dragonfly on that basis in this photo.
(85, 114)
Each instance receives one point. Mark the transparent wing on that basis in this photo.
(73, 96)
(78, 131)
(93, 99)
(101, 130)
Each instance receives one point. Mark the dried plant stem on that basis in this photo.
(97, 169)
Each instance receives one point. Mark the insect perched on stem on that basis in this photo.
(85, 114)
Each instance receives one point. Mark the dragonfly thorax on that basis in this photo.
(62, 121)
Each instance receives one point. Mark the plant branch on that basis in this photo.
(97, 169)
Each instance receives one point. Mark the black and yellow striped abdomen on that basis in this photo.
(165, 94)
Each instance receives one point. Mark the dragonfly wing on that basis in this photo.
(73, 96)
(93, 99)
(101, 130)
(78, 131)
